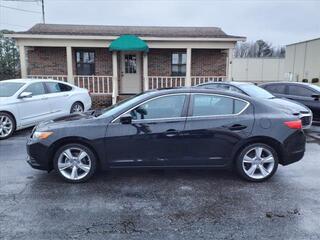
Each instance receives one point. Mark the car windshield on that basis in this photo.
(109, 111)
(255, 91)
(7, 89)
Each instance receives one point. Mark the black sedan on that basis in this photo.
(305, 93)
(176, 128)
(254, 91)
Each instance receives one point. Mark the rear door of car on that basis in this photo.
(214, 126)
(58, 98)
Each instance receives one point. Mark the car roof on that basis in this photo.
(235, 83)
(197, 90)
(287, 82)
(28, 80)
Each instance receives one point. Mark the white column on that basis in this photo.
(69, 65)
(188, 70)
(115, 90)
(145, 72)
(229, 64)
(23, 62)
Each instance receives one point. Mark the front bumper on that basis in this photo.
(38, 157)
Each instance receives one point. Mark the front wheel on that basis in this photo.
(7, 125)
(257, 162)
(75, 163)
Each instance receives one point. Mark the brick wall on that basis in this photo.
(47, 61)
(101, 101)
(103, 61)
(208, 62)
(204, 62)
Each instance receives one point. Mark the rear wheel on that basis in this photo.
(77, 107)
(75, 163)
(257, 162)
(7, 125)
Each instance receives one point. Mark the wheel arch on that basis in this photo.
(275, 144)
(69, 140)
(12, 115)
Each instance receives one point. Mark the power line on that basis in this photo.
(19, 9)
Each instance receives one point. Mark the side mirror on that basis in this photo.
(126, 119)
(25, 95)
(316, 97)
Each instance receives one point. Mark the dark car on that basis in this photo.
(254, 91)
(305, 93)
(174, 128)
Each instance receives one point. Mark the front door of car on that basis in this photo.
(153, 137)
(214, 127)
(35, 108)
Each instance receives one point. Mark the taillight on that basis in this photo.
(296, 124)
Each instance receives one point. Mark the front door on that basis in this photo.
(130, 73)
(154, 136)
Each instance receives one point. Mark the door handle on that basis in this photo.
(237, 127)
(171, 133)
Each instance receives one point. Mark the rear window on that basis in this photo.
(276, 88)
(213, 105)
(8, 89)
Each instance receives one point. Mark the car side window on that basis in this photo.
(212, 105)
(276, 88)
(300, 91)
(162, 107)
(55, 87)
(36, 89)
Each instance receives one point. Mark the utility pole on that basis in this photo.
(43, 16)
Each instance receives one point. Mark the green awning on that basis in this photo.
(128, 43)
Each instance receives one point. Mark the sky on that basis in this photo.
(279, 22)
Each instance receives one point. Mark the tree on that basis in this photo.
(258, 49)
(9, 57)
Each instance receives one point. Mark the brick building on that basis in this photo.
(115, 61)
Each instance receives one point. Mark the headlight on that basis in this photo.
(41, 135)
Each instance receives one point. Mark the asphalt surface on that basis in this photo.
(149, 204)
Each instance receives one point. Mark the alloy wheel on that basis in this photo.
(76, 108)
(74, 163)
(258, 162)
(6, 126)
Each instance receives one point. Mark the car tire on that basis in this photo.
(257, 162)
(77, 107)
(75, 163)
(6, 121)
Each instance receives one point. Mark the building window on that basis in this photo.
(130, 62)
(178, 64)
(85, 62)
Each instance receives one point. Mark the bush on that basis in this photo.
(305, 80)
(315, 80)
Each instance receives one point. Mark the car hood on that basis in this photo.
(5, 100)
(289, 105)
(75, 118)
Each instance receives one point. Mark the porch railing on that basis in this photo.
(166, 82)
(195, 80)
(95, 84)
(54, 77)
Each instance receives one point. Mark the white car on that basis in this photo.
(26, 102)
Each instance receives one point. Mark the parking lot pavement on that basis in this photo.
(149, 204)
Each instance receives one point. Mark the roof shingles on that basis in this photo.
(142, 31)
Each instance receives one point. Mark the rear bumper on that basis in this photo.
(294, 148)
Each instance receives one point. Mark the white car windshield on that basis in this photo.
(8, 89)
